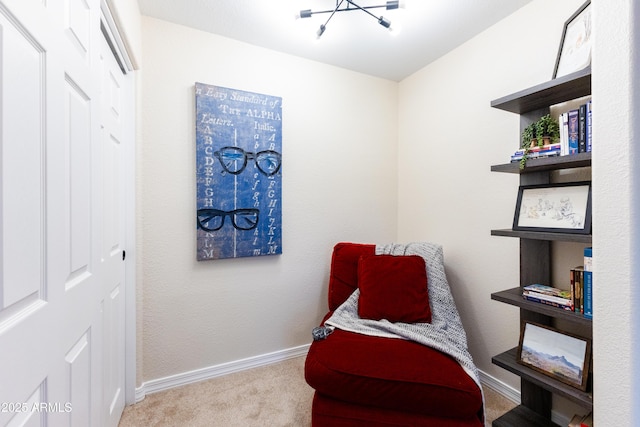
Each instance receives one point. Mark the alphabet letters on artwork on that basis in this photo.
(238, 173)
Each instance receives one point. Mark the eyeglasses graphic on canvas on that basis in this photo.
(234, 160)
(241, 219)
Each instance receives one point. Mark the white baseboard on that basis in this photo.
(166, 383)
(500, 387)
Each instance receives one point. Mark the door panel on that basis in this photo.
(113, 233)
(77, 23)
(78, 134)
(25, 290)
(30, 418)
(78, 368)
(61, 289)
(22, 167)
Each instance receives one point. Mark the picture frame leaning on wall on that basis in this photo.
(557, 354)
(574, 52)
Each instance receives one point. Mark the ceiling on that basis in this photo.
(424, 30)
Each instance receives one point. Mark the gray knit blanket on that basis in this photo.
(445, 332)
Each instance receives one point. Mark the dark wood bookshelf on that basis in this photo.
(509, 361)
(537, 389)
(514, 297)
(543, 235)
(571, 86)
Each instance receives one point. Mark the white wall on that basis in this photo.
(449, 137)
(339, 184)
(127, 17)
(616, 204)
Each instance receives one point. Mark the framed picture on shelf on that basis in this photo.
(560, 208)
(557, 354)
(574, 52)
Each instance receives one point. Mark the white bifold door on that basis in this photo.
(61, 217)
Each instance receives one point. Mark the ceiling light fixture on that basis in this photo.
(351, 5)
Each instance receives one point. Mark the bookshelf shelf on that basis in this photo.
(535, 256)
(571, 86)
(540, 235)
(514, 297)
(546, 164)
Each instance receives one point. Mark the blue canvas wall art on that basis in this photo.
(238, 173)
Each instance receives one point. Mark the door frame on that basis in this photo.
(115, 40)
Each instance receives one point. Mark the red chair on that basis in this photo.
(363, 380)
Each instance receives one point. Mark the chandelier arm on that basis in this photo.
(334, 11)
(364, 9)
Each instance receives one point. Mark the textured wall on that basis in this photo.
(339, 183)
(616, 201)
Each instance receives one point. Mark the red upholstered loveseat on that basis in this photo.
(363, 380)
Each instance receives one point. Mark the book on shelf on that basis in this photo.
(563, 120)
(588, 283)
(549, 298)
(541, 299)
(589, 138)
(536, 152)
(539, 148)
(575, 130)
(572, 285)
(548, 295)
(517, 157)
(547, 290)
(576, 277)
(572, 131)
(582, 128)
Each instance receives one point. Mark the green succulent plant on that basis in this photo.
(547, 126)
(544, 127)
(528, 135)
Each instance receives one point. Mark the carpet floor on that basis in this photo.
(274, 395)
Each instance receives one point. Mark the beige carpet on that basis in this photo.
(274, 395)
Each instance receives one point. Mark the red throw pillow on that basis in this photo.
(343, 279)
(393, 288)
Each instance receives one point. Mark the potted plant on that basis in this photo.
(529, 136)
(548, 129)
(529, 140)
